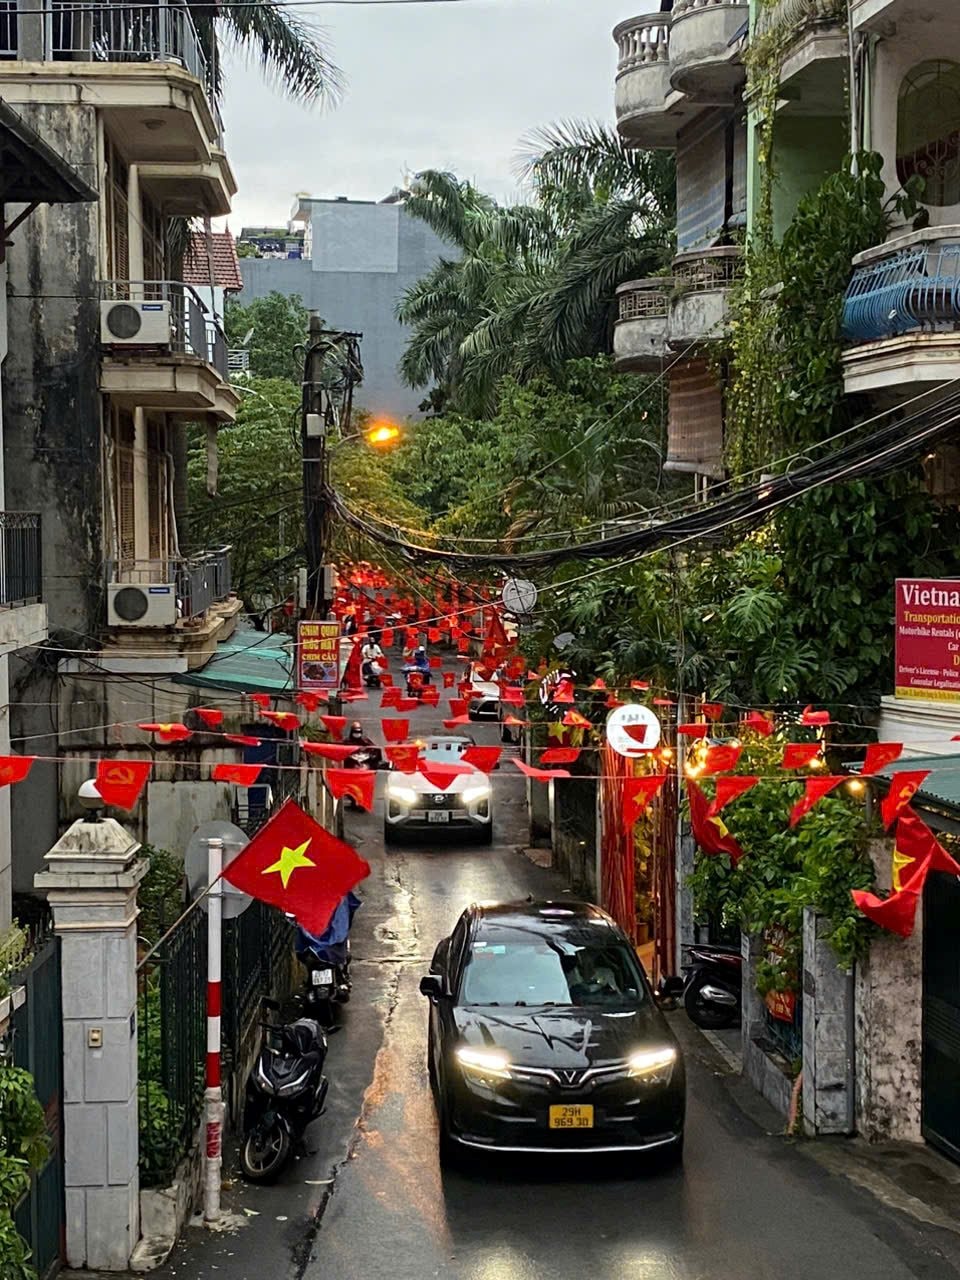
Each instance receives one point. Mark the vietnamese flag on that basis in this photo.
(463, 644)
(329, 750)
(242, 739)
(914, 843)
(709, 832)
(244, 775)
(574, 720)
(119, 782)
(210, 716)
(459, 706)
(390, 698)
(729, 789)
(483, 758)
(880, 754)
(637, 794)
(309, 701)
(167, 732)
(814, 791)
(903, 787)
(430, 696)
(721, 759)
(560, 755)
(358, 784)
(14, 768)
(798, 755)
(285, 720)
(898, 912)
(295, 865)
(334, 725)
(395, 730)
(404, 758)
(449, 679)
(261, 699)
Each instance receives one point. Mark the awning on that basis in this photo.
(31, 172)
(249, 662)
(940, 793)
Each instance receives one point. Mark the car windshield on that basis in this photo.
(445, 750)
(576, 966)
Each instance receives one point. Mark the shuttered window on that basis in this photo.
(157, 490)
(695, 423)
(118, 230)
(123, 489)
(701, 182)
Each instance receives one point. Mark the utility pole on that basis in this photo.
(332, 368)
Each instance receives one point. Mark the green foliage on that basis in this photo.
(159, 1127)
(277, 325)
(161, 894)
(14, 954)
(23, 1149)
(814, 864)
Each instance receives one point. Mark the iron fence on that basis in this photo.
(20, 565)
(910, 288)
(125, 33)
(192, 330)
(199, 580)
(257, 950)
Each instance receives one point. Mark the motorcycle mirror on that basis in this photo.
(431, 984)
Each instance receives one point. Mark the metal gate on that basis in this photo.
(940, 1078)
(38, 1047)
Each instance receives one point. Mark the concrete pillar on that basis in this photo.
(134, 228)
(90, 881)
(828, 1033)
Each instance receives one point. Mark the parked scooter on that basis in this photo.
(710, 987)
(286, 1089)
(327, 961)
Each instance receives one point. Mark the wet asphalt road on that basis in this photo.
(370, 1200)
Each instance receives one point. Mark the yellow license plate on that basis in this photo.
(571, 1117)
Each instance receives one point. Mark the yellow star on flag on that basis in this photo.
(900, 861)
(289, 861)
(721, 826)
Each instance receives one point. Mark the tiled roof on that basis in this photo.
(226, 266)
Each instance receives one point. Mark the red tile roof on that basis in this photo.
(226, 266)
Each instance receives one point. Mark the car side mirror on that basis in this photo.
(431, 985)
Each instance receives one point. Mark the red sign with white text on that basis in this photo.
(928, 639)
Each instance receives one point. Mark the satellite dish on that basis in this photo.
(519, 596)
(195, 864)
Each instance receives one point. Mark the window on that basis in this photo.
(928, 131)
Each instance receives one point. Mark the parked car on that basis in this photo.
(544, 1036)
(415, 803)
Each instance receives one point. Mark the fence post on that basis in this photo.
(90, 880)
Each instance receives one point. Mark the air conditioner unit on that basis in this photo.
(154, 604)
(135, 323)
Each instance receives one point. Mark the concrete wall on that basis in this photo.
(828, 1039)
(806, 150)
(575, 833)
(364, 257)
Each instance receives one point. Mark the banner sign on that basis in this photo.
(318, 655)
(928, 639)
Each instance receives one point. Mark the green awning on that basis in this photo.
(249, 662)
(941, 790)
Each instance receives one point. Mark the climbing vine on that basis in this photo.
(23, 1149)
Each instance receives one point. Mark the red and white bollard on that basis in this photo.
(213, 1094)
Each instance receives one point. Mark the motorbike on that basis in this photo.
(286, 1089)
(365, 757)
(372, 674)
(327, 961)
(711, 986)
(416, 678)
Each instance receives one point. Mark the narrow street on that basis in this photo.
(369, 1199)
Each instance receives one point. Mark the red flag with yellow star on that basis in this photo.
(294, 864)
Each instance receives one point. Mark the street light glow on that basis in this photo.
(383, 433)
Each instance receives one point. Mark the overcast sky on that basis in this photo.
(428, 86)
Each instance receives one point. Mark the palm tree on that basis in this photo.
(535, 284)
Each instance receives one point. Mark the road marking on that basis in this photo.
(730, 1058)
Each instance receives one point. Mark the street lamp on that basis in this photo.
(382, 434)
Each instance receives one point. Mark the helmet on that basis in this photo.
(356, 729)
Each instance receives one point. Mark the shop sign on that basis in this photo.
(318, 655)
(927, 655)
(632, 729)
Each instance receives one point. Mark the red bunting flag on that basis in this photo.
(386, 638)
(880, 754)
(456, 722)
(483, 758)
(390, 698)
(598, 686)
(798, 755)
(612, 702)
(560, 755)
(721, 759)
(574, 720)
(511, 695)
(430, 696)
(435, 662)
(408, 704)
(728, 789)
(440, 776)
(758, 722)
(896, 913)
(404, 758)
(449, 679)
(337, 751)
(637, 794)
(308, 700)
(241, 739)
(14, 768)
(710, 833)
(120, 782)
(563, 692)
(395, 730)
(261, 699)
(712, 710)
(814, 791)
(211, 717)
(809, 716)
(244, 775)
(903, 787)
(288, 721)
(357, 784)
(433, 635)
(463, 644)
(352, 672)
(334, 725)
(664, 702)
(542, 775)
(297, 866)
(914, 843)
(640, 684)
(459, 706)
(693, 730)
(167, 732)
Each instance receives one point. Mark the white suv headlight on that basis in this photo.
(480, 792)
(653, 1066)
(402, 795)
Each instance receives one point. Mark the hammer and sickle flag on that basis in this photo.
(903, 787)
(358, 784)
(120, 782)
(14, 768)
(294, 864)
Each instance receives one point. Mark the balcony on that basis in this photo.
(881, 16)
(901, 314)
(702, 280)
(23, 619)
(649, 112)
(705, 40)
(144, 67)
(640, 335)
(812, 72)
(181, 362)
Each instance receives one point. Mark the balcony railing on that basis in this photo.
(192, 330)
(642, 42)
(684, 6)
(200, 580)
(701, 270)
(20, 571)
(644, 299)
(910, 285)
